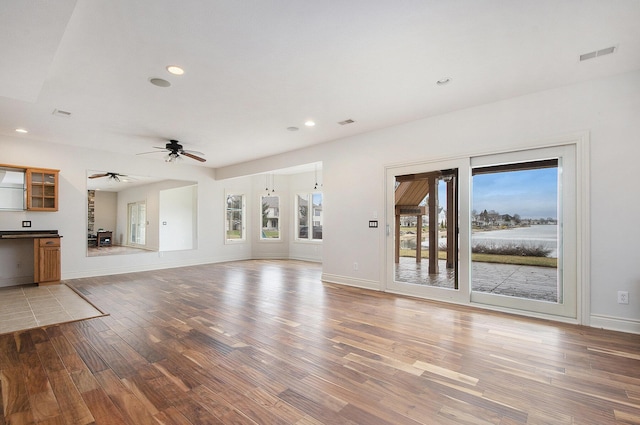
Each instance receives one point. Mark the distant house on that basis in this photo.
(270, 212)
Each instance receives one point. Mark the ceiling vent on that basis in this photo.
(345, 122)
(597, 53)
(61, 113)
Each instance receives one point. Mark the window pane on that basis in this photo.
(270, 217)
(303, 217)
(235, 217)
(317, 215)
(426, 222)
(515, 239)
(137, 223)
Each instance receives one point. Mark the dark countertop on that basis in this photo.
(26, 234)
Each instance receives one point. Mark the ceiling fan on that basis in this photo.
(112, 176)
(175, 149)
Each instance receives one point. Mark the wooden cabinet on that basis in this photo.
(42, 189)
(46, 260)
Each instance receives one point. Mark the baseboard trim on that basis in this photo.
(147, 267)
(302, 258)
(615, 323)
(350, 281)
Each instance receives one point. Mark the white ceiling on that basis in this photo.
(255, 67)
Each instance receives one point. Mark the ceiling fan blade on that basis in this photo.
(189, 155)
(95, 176)
(192, 152)
(144, 153)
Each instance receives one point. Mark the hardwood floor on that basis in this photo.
(265, 342)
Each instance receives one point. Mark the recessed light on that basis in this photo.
(159, 82)
(22, 130)
(309, 123)
(175, 70)
(443, 81)
(292, 128)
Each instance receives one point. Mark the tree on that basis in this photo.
(517, 219)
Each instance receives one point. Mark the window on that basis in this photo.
(270, 217)
(309, 213)
(137, 220)
(234, 222)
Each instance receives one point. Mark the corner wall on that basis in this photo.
(606, 109)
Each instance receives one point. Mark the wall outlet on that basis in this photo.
(623, 297)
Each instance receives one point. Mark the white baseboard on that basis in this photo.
(615, 323)
(148, 267)
(303, 258)
(274, 256)
(351, 281)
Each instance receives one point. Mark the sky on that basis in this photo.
(529, 193)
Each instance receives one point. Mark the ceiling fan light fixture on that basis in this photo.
(310, 123)
(172, 157)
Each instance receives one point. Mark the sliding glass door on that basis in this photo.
(423, 244)
(498, 230)
(523, 238)
(137, 220)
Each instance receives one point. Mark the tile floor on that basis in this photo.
(30, 306)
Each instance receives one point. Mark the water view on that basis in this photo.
(545, 235)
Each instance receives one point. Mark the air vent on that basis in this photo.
(597, 53)
(345, 122)
(61, 113)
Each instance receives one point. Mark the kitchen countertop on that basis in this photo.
(28, 234)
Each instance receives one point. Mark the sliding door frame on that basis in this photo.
(581, 314)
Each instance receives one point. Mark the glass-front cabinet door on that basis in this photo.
(42, 189)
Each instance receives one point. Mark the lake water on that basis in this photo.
(543, 234)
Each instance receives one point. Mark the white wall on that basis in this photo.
(178, 218)
(286, 187)
(606, 109)
(271, 249)
(71, 218)
(105, 207)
